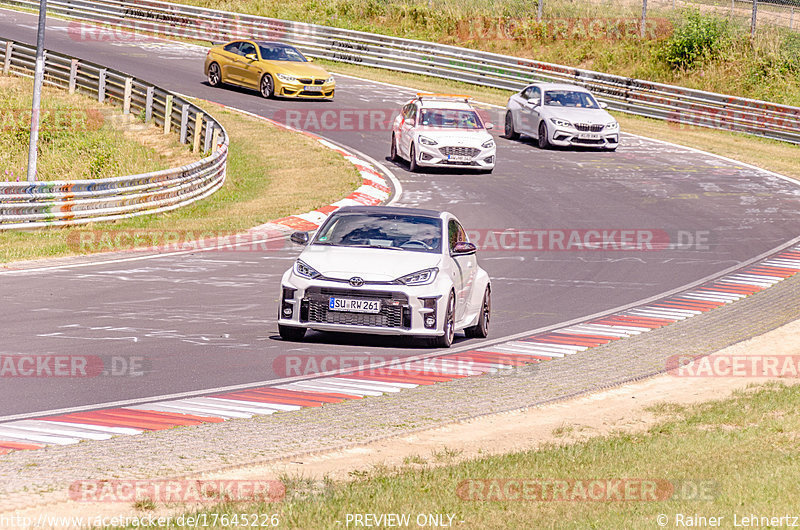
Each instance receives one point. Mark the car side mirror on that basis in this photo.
(301, 238)
(602, 105)
(251, 57)
(463, 248)
(533, 102)
(489, 126)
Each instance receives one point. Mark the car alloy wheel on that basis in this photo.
(267, 86)
(544, 141)
(412, 160)
(481, 329)
(511, 134)
(448, 325)
(393, 150)
(214, 75)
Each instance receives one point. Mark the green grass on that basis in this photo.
(741, 454)
(272, 173)
(721, 56)
(77, 138)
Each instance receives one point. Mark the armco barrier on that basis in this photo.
(60, 203)
(634, 96)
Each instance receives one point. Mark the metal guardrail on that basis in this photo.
(61, 203)
(634, 96)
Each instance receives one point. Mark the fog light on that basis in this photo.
(287, 311)
(429, 312)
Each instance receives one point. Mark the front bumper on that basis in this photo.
(451, 156)
(290, 89)
(568, 136)
(404, 309)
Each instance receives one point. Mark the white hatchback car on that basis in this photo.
(560, 114)
(439, 130)
(386, 270)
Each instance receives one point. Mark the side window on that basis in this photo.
(247, 48)
(233, 47)
(411, 111)
(455, 233)
(535, 94)
(526, 94)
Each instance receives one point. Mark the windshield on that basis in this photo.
(281, 53)
(450, 119)
(570, 98)
(400, 232)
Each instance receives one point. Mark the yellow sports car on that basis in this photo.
(272, 68)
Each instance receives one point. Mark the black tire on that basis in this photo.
(393, 150)
(267, 86)
(214, 75)
(449, 326)
(291, 333)
(510, 133)
(544, 141)
(481, 329)
(412, 160)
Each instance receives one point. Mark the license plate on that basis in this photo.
(588, 136)
(312, 88)
(354, 306)
(459, 158)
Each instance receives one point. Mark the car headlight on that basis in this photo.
(289, 78)
(426, 141)
(301, 268)
(329, 80)
(423, 277)
(560, 122)
(612, 125)
(488, 144)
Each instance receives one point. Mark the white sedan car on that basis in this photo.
(386, 270)
(560, 114)
(438, 130)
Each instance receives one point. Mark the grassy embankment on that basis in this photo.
(271, 172)
(714, 454)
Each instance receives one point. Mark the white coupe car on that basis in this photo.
(439, 130)
(560, 114)
(386, 270)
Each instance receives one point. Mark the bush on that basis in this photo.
(698, 38)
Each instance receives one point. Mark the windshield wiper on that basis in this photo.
(374, 246)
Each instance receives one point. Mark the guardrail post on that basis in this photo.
(215, 138)
(148, 105)
(184, 122)
(198, 128)
(7, 60)
(73, 75)
(101, 86)
(753, 19)
(207, 141)
(126, 100)
(167, 114)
